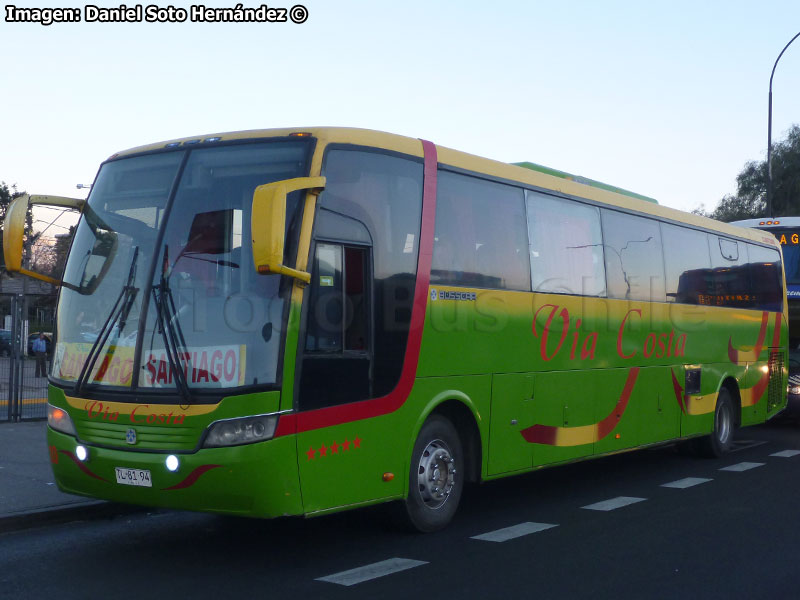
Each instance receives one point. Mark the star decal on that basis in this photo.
(325, 451)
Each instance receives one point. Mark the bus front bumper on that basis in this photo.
(258, 480)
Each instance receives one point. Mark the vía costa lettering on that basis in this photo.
(141, 414)
(654, 345)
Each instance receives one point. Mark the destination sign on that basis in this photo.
(789, 238)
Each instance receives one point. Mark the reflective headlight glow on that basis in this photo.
(82, 453)
(172, 463)
(234, 432)
(59, 420)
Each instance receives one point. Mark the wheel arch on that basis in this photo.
(460, 410)
(463, 419)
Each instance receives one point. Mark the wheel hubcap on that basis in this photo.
(436, 474)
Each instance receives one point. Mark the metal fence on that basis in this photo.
(23, 391)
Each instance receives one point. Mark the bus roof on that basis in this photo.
(526, 173)
(584, 180)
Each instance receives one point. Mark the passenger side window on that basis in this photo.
(566, 246)
(766, 277)
(688, 264)
(729, 281)
(633, 256)
(480, 238)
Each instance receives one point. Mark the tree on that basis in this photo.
(750, 199)
(48, 255)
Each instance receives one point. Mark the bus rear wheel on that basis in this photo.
(721, 439)
(436, 476)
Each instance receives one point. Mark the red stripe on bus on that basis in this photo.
(678, 391)
(733, 354)
(548, 434)
(541, 434)
(608, 424)
(192, 478)
(763, 382)
(82, 466)
(375, 407)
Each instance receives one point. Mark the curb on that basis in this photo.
(84, 511)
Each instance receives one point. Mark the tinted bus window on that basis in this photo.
(480, 237)
(634, 257)
(766, 278)
(687, 262)
(566, 246)
(728, 281)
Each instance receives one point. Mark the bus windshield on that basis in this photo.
(166, 295)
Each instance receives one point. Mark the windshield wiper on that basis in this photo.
(119, 312)
(170, 328)
(214, 261)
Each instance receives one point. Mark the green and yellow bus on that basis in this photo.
(296, 322)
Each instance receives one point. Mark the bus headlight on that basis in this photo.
(235, 432)
(58, 419)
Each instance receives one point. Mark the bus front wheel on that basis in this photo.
(436, 476)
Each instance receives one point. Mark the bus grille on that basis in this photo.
(776, 393)
(148, 437)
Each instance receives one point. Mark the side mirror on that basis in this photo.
(268, 224)
(14, 230)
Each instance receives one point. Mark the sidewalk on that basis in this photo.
(29, 496)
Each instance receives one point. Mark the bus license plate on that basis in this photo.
(140, 477)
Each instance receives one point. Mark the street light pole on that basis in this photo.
(769, 129)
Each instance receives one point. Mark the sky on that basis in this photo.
(665, 98)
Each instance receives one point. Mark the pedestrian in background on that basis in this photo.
(40, 351)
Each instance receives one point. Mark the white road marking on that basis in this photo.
(515, 531)
(614, 503)
(687, 482)
(743, 466)
(786, 453)
(373, 571)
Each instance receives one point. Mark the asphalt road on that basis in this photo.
(607, 528)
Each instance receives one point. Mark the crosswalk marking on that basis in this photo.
(515, 531)
(786, 453)
(614, 503)
(742, 466)
(373, 571)
(686, 482)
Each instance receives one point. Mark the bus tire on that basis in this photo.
(720, 441)
(436, 476)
